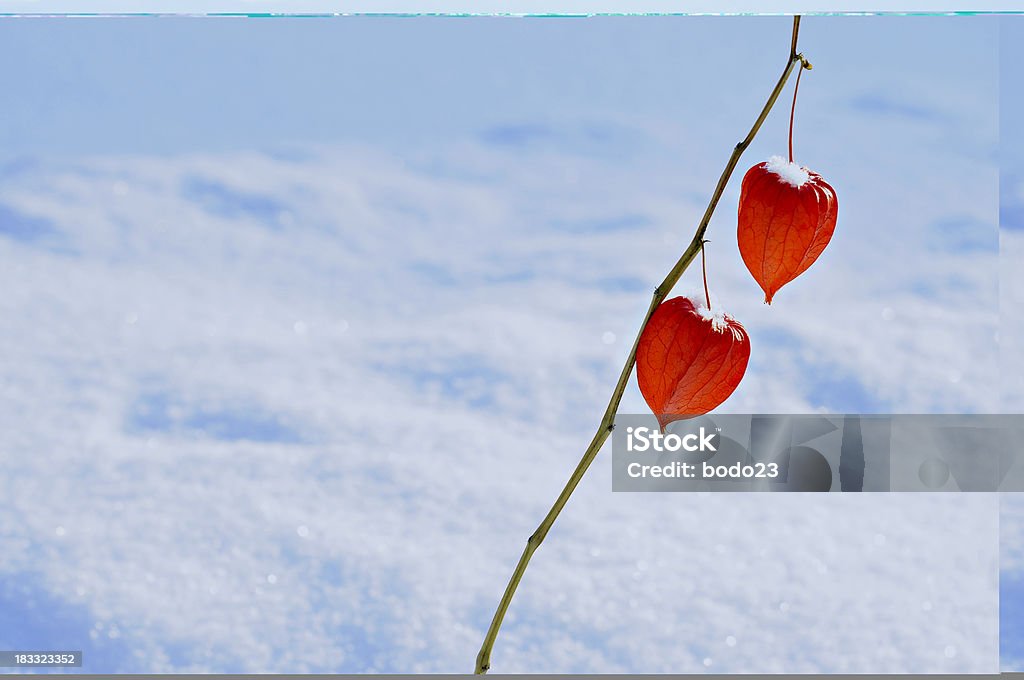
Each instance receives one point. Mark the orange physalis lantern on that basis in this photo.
(786, 218)
(689, 360)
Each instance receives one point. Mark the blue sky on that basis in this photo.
(1011, 103)
(138, 85)
(315, 315)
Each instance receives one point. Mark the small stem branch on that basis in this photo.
(483, 660)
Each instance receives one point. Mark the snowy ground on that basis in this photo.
(297, 407)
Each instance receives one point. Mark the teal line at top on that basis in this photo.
(526, 15)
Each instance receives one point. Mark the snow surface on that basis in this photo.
(270, 430)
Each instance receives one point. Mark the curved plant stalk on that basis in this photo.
(483, 660)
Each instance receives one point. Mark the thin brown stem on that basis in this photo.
(704, 271)
(792, 113)
(483, 660)
(796, 35)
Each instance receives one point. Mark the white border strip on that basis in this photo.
(508, 7)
